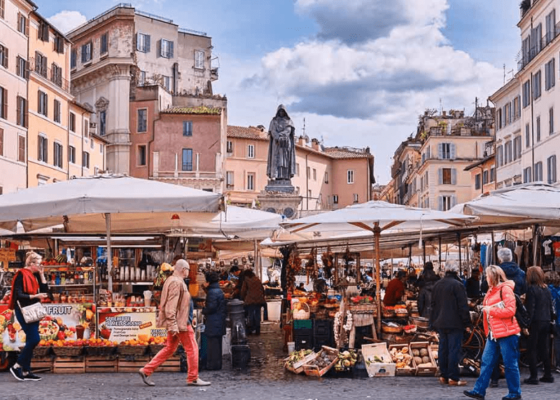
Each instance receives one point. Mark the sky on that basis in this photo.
(359, 72)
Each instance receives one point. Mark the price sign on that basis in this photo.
(7, 255)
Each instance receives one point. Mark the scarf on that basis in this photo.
(30, 285)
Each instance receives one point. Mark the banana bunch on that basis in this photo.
(346, 359)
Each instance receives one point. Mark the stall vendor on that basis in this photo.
(234, 274)
(395, 290)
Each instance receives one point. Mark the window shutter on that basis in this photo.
(40, 149)
(440, 176)
(147, 43)
(452, 150)
(6, 57)
(46, 150)
(25, 114)
(159, 48)
(46, 105)
(453, 201)
(18, 111)
(453, 176)
(440, 151)
(84, 54)
(440, 203)
(170, 50)
(26, 26)
(18, 63)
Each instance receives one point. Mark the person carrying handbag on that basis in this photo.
(28, 288)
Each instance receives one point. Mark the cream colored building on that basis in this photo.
(326, 178)
(14, 37)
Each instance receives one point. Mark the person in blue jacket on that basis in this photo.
(215, 316)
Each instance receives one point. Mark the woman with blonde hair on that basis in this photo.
(502, 331)
(28, 287)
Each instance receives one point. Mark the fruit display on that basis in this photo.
(378, 359)
(296, 357)
(346, 359)
(422, 358)
(323, 360)
(401, 357)
(301, 310)
(100, 343)
(361, 300)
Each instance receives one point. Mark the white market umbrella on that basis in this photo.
(375, 217)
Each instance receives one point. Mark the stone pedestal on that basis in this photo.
(279, 186)
(280, 203)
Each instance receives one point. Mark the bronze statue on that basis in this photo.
(281, 165)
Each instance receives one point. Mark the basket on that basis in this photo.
(132, 350)
(420, 322)
(391, 329)
(302, 314)
(100, 351)
(314, 308)
(388, 312)
(41, 351)
(73, 351)
(363, 308)
(156, 348)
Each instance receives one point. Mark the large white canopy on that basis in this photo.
(134, 204)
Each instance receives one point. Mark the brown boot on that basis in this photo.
(457, 383)
(443, 381)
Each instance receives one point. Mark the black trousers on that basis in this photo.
(538, 345)
(214, 353)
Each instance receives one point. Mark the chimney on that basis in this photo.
(301, 141)
(444, 113)
(315, 144)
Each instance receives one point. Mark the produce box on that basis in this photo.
(303, 324)
(297, 359)
(69, 365)
(311, 368)
(434, 353)
(42, 364)
(428, 367)
(172, 364)
(97, 364)
(410, 367)
(378, 360)
(131, 363)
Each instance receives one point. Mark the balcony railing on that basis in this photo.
(525, 56)
(49, 74)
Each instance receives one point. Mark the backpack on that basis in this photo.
(521, 313)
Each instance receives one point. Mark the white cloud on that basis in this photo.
(66, 20)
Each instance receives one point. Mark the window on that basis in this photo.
(142, 120)
(102, 123)
(447, 176)
(492, 174)
(538, 129)
(309, 194)
(199, 59)
(72, 122)
(527, 175)
(314, 174)
(538, 172)
(86, 52)
(41, 64)
(85, 159)
(85, 128)
(143, 42)
(187, 160)
(229, 179)
(537, 85)
(4, 56)
(527, 136)
(485, 177)
(3, 103)
(43, 105)
(104, 44)
(22, 68)
(100, 148)
(167, 83)
(446, 202)
(551, 169)
(508, 152)
(43, 149)
(550, 26)
(326, 177)
(141, 155)
(21, 149)
(308, 172)
(59, 44)
(22, 25)
(526, 94)
(187, 128)
(2, 8)
(92, 143)
(250, 151)
(229, 146)
(549, 75)
(517, 147)
(551, 121)
(43, 32)
(499, 118)
(72, 154)
(477, 182)
(446, 151)
(73, 57)
(1, 142)
(57, 155)
(516, 108)
(142, 78)
(21, 112)
(56, 75)
(166, 48)
(250, 181)
(350, 176)
(56, 111)
(355, 197)
(335, 198)
(297, 169)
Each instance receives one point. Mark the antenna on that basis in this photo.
(303, 126)
(504, 73)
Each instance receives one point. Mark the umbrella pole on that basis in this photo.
(535, 244)
(109, 253)
(376, 236)
(460, 261)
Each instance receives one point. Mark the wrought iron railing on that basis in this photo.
(50, 74)
(525, 56)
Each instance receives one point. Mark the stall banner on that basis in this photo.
(59, 324)
(119, 326)
(7, 255)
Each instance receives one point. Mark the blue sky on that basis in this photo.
(359, 71)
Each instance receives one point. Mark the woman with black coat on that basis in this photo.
(215, 313)
(538, 302)
(28, 287)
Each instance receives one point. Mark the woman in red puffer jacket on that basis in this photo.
(502, 331)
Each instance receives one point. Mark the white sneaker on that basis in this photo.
(198, 382)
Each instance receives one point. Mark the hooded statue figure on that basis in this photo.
(281, 149)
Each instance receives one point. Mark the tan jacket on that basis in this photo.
(175, 305)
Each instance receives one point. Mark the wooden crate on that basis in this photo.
(101, 364)
(131, 363)
(404, 371)
(42, 364)
(69, 365)
(424, 371)
(173, 364)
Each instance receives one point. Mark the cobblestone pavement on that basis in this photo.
(265, 379)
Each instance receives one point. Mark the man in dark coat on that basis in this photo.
(215, 318)
(512, 271)
(450, 316)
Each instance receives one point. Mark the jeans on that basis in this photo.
(508, 347)
(538, 345)
(449, 352)
(557, 345)
(191, 348)
(254, 311)
(32, 339)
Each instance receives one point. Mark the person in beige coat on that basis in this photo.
(173, 315)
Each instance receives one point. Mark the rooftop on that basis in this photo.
(201, 110)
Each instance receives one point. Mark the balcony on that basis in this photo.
(55, 76)
(525, 56)
(214, 74)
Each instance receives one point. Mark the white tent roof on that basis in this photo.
(135, 204)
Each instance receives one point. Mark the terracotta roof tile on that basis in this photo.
(201, 110)
(337, 152)
(242, 132)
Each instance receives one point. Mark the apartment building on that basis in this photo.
(120, 51)
(14, 17)
(528, 137)
(483, 173)
(327, 178)
(406, 162)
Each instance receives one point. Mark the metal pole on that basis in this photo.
(460, 266)
(493, 258)
(109, 253)
(535, 244)
(376, 235)
(256, 259)
(424, 251)
(439, 252)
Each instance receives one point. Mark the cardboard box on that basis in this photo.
(375, 369)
